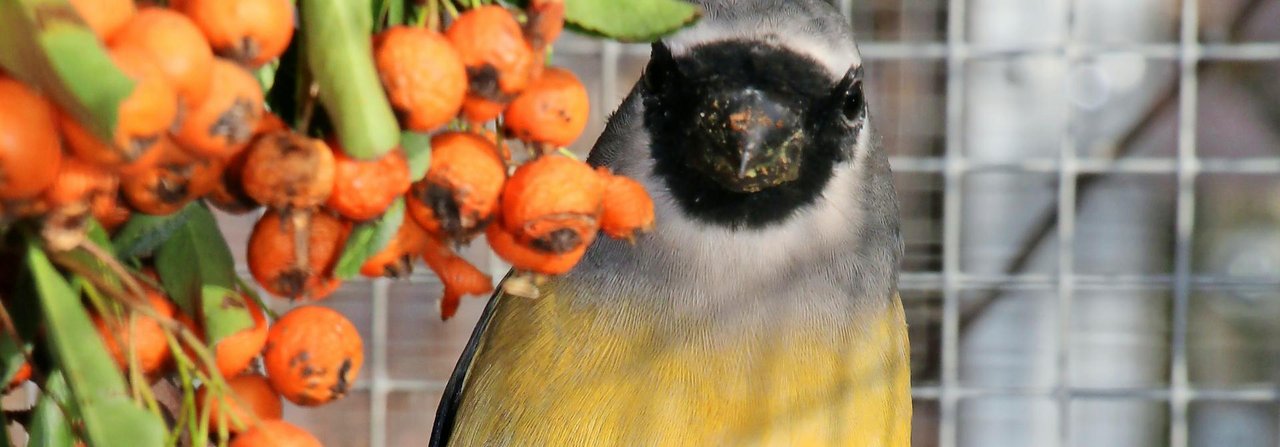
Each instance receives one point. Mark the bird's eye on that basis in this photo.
(849, 95)
(854, 102)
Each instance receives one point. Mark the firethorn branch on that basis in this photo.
(11, 331)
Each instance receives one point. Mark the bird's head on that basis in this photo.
(750, 120)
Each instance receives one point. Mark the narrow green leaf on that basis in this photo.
(110, 417)
(388, 225)
(98, 235)
(380, 9)
(417, 149)
(49, 427)
(356, 250)
(23, 300)
(12, 356)
(398, 12)
(143, 232)
(45, 43)
(4, 434)
(83, 258)
(340, 55)
(252, 293)
(196, 268)
(631, 20)
(369, 238)
(266, 75)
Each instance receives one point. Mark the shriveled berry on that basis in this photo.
(460, 192)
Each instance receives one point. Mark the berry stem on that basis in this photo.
(308, 107)
(186, 414)
(433, 15)
(301, 237)
(126, 278)
(450, 8)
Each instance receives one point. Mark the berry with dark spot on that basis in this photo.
(313, 355)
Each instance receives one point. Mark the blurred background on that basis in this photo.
(1090, 203)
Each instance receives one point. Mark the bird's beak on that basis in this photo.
(746, 141)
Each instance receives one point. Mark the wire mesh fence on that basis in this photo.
(1093, 238)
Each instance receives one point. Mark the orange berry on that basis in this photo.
(546, 20)
(498, 59)
(363, 190)
(313, 355)
(236, 352)
(287, 170)
(396, 259)
(177, 46)
(423, 75)
(79, 182)
(23, 375)
(228, 195)
(223, 124)
(142, 120)
(270, 122)
(275, 434)
(152, 107)
(249, 400)
(273, 259)
(109, 212)
(87, 147)
(460, 191)
(480, 110)
(526, 258)
(66, 205)
(458, 276)
(251, 32)
(177, 180)
(552, 110)
(104, 17)
(30, 154)
(553, 204)
(627, 208)
(144, 337)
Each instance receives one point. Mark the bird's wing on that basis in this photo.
(447, 412)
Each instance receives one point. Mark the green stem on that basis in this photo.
(450, 8)
(433, 15)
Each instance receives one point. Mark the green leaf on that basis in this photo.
(143, 233)
(252, 293)
(369, 238)
(197, 270)
(46, 44)
(4, 434)
(340, 55)
(110, 417)
(12, 356)
(98, 235)
(49, 427)
(417, 149)
(631, 20)
(398, 12)
(266, 75)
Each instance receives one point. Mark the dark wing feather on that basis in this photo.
(447, 412)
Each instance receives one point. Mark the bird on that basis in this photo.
(762, 308)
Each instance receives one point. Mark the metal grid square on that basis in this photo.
(925, 64)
